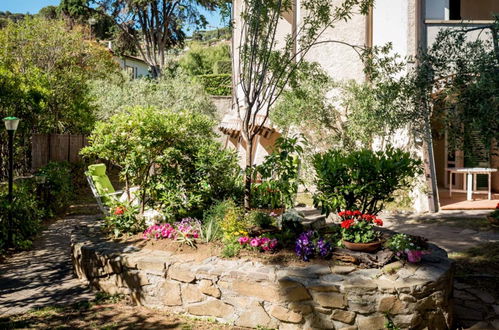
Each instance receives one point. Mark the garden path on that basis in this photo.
(454, 231)
(44, 275)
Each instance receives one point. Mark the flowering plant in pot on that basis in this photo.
(408, 247)
(357, 231)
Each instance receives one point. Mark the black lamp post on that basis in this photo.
(11, 126)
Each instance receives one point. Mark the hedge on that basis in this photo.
(216, 84)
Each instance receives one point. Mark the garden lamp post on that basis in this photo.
(11, 126)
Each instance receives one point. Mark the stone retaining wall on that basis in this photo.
(250, 294)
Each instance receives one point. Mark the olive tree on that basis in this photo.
(266, 65)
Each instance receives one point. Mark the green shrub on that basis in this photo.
(260, 219)
(234, 223)
(123, 219)
(27, 215)
(192, 171)
(212, 218)
(58, 186)
(279, 175)
(361, 180)
(222, 67)
(216, 84)
(201, 59)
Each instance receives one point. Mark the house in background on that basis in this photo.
(133, 65)
(410, 25)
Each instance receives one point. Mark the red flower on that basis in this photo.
(342, 213)
(119, 211)
(367, 217)
(357, 213)
(497, 206)
(347, 223)
(348, 213)
(378, 221)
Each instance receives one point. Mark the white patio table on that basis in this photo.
(469, 183)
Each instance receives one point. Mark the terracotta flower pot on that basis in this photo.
(363, 247)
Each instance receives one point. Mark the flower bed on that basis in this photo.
(247, 292)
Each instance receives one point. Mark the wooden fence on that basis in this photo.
(47, 148)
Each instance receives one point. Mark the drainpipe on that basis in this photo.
(428, 154)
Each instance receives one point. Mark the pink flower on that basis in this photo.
(273, 243)
(255, 242)
(414, 256)
(243, 240)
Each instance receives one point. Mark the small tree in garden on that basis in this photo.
(361, 180)
(172, 156)
(267, 65)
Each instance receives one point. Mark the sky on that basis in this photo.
(33, 6)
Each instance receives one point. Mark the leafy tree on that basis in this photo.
(203, 59)
(44, 73)
(152, 26)
(172, 91)
(172, 156)
(266, 66)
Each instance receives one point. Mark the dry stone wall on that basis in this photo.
(250, 294)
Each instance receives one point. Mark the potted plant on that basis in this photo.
(408, 247)
(493, 217)
(357, 231)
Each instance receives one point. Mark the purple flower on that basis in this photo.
(324, 248)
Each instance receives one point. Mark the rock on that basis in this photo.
(392, 267)
(372, 323)
(133, 279)
(407, 298)
(181, 274)
(171, 293)
(463, 295)
(482, 295)
(386, 303)
(207, 287)
(467, 313)
(191, 294)
(343, 316)
(331, 299)
(301, 308)
(409, 321)
(213, 307)
(285, 314)
(298, 293)
(257, 290)
(154, 263)
(342, 269)
(480, 326)
(254, 315)
(496, 309)
(468, 232)
(360, 284)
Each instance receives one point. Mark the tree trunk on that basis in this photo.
(248, 174)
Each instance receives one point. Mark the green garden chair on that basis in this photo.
(101, 187)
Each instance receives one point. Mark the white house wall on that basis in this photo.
(390, 24)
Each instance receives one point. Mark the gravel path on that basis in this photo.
(43, 276)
